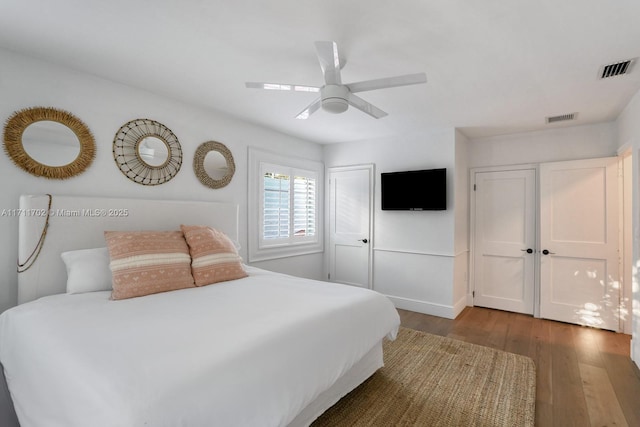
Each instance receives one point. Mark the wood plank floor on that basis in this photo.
(585, 376)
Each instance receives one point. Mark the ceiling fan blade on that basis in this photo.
(409, 79)
(312, 108)
(329, 62)
(364, 106)
(282, 86)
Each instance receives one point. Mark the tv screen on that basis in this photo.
(419, 190)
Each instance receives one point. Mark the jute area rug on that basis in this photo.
(429, 380)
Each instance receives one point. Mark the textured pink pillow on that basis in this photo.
(148, 262)
(214, 257)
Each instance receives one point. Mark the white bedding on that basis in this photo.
(250, 352)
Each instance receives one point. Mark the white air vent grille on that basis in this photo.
(561, 118)
(616, 69)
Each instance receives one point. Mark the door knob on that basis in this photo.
(363, 240)
(546, 252)
(528, 250)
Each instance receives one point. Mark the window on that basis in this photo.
(284, 207)
(289, 205)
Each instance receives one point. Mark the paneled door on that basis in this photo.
(579, 280)
(350, 212)
(504, 239)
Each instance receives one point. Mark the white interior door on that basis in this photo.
(350, 210)
(579, 280)
(504, 240)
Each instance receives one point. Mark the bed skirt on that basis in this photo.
(8, 417)
(362, 370)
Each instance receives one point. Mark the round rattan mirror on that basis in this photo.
(147, 152)
(213, 164)
(49, 142)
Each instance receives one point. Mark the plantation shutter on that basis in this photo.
(289, 205)
(276, 209)
(304, 206)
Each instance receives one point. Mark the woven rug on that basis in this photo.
(429, 380)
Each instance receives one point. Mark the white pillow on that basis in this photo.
(88, 270)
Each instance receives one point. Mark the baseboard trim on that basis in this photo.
(459, 306)
(424, 307)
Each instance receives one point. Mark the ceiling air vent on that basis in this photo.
(561, 118)
(616, 69)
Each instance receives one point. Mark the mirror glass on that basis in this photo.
(50, 143)
(153, 151)
(215, 165)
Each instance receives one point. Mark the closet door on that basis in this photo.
(504, 240)
(579, 280)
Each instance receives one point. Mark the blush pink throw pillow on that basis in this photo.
(148, 262)
(214, 257)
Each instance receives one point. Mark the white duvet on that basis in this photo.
(250, 352)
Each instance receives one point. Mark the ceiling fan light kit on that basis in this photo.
(336, 97)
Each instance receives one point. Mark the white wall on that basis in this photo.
(568, 143)
(462, 218)
(628, 128)
(414, 252)
(104, 106)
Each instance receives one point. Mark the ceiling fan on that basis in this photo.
(335, 97)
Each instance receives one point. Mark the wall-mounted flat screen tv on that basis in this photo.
(417, 190)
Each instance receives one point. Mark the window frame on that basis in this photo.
(261, 249)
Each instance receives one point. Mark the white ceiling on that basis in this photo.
(493, 66)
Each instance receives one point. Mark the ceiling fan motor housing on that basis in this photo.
(334, 98)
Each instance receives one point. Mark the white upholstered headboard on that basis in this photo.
(79, 223)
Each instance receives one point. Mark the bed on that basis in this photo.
(263, 350)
